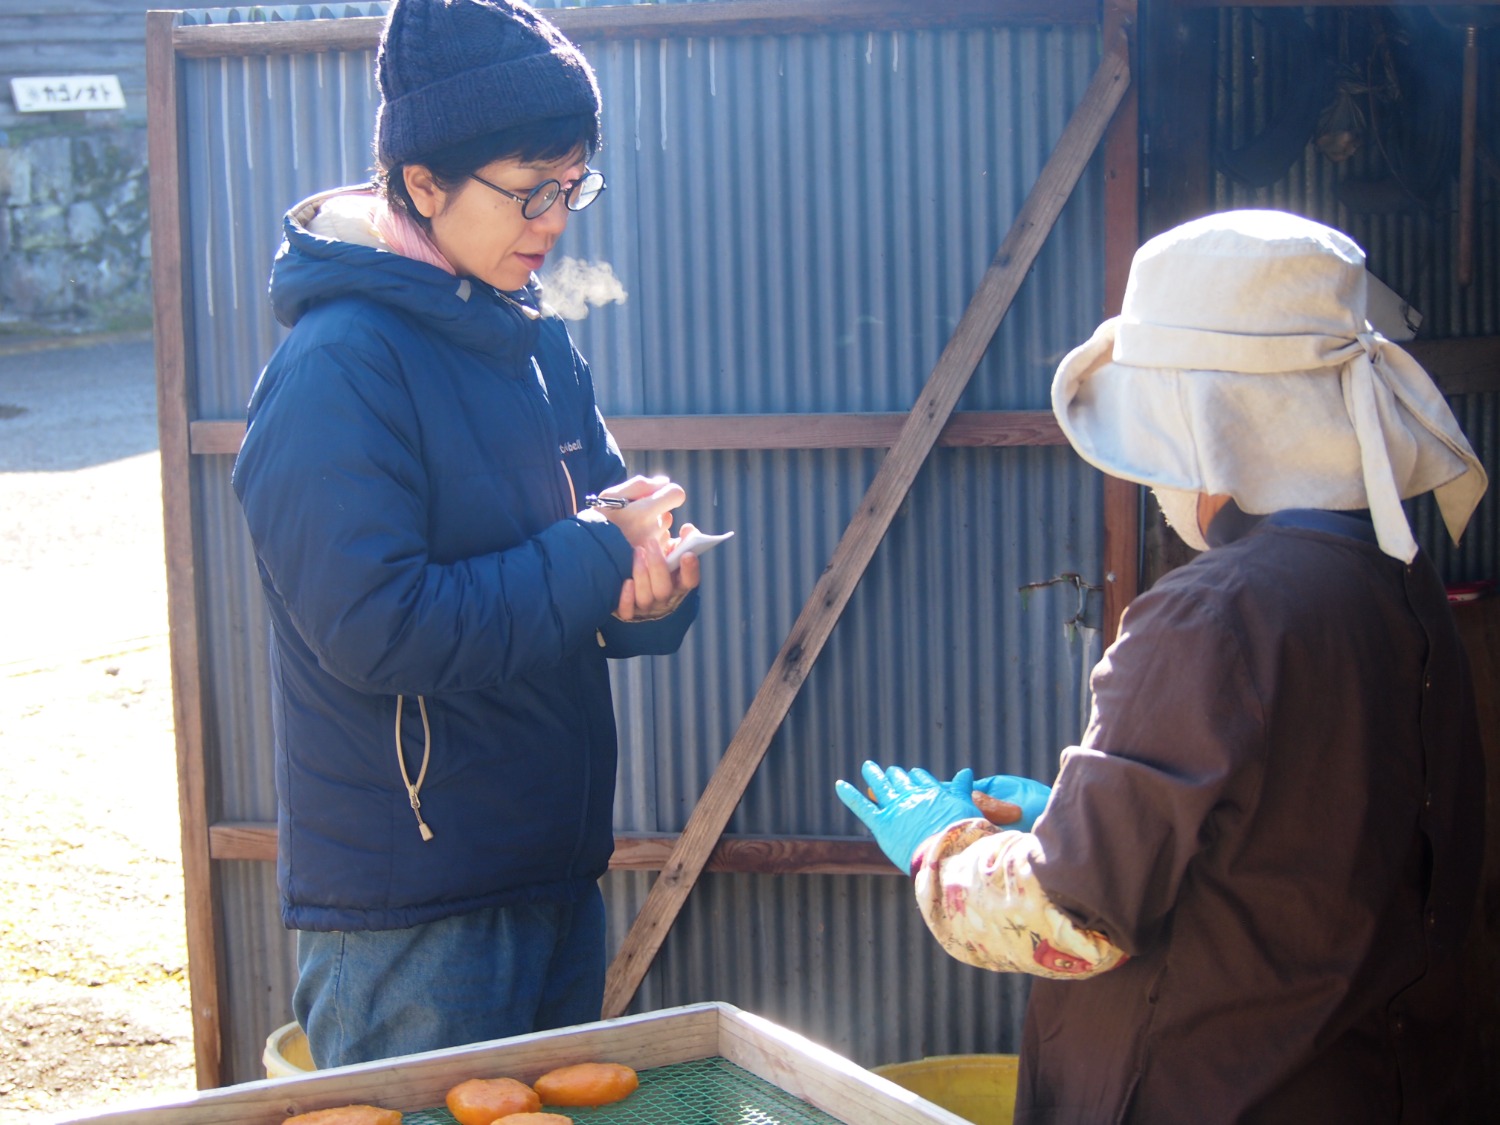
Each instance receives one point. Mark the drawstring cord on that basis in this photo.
(412, 790)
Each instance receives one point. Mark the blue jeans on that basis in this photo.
(501, 971)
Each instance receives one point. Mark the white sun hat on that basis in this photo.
(1242, 363)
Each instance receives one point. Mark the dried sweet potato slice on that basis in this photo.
(594, 1083)
(479, 1101)
(347, 1115)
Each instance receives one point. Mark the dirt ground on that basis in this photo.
(93, 963)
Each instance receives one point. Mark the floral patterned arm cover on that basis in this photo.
(976, 889)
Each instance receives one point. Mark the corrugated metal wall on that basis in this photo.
(1411, 245)
(798, 223)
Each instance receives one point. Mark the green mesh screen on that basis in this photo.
(712, 1091)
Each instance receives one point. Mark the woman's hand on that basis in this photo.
(648, 518)
(653, 590)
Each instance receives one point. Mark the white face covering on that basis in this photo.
(1181, 512)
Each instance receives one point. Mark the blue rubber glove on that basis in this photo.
(908, 808)
(1023, 799)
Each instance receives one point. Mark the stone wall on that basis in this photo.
(75, 245)
(75, 252)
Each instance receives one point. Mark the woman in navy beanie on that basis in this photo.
(450, 550)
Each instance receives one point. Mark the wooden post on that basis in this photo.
(170, 319)
(1176, 47)
(1122, 499)
(988, 306)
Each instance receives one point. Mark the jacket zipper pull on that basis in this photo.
(412, 789)
(416, 807)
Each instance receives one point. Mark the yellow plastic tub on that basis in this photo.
(287, 1054)
(979, 1088)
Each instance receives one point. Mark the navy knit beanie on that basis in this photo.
(453, 70)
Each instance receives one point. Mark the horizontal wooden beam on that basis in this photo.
(1333, 3)
(283, 37)
(654, 21)
(1461, 366)
(1464, 365)
(761, 855)
(759, 431)
(829, 431)
(638, 851)
(221, 437)
(242, 839)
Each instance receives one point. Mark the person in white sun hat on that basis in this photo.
(1247, 892)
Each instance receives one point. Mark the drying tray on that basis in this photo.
(704, 1064)
(703, 1092)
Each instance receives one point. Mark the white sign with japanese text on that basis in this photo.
(76, 91)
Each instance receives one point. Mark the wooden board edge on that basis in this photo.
(650, 1039)
(820, 1076)
(728, 18)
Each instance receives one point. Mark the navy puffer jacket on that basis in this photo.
(416, 454)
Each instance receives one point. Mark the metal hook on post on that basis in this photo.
(1080, 618)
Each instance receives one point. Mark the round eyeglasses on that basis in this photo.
(539, 200)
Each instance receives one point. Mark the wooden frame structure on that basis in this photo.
(1168, 39)
(910, 437)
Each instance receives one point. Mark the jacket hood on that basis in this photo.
(321, 261)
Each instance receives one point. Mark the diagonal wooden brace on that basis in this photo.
(991, 301)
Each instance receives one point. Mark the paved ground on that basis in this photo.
(93, 966)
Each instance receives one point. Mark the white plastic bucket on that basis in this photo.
(287, 1054)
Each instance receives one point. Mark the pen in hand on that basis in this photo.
(594, 501)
